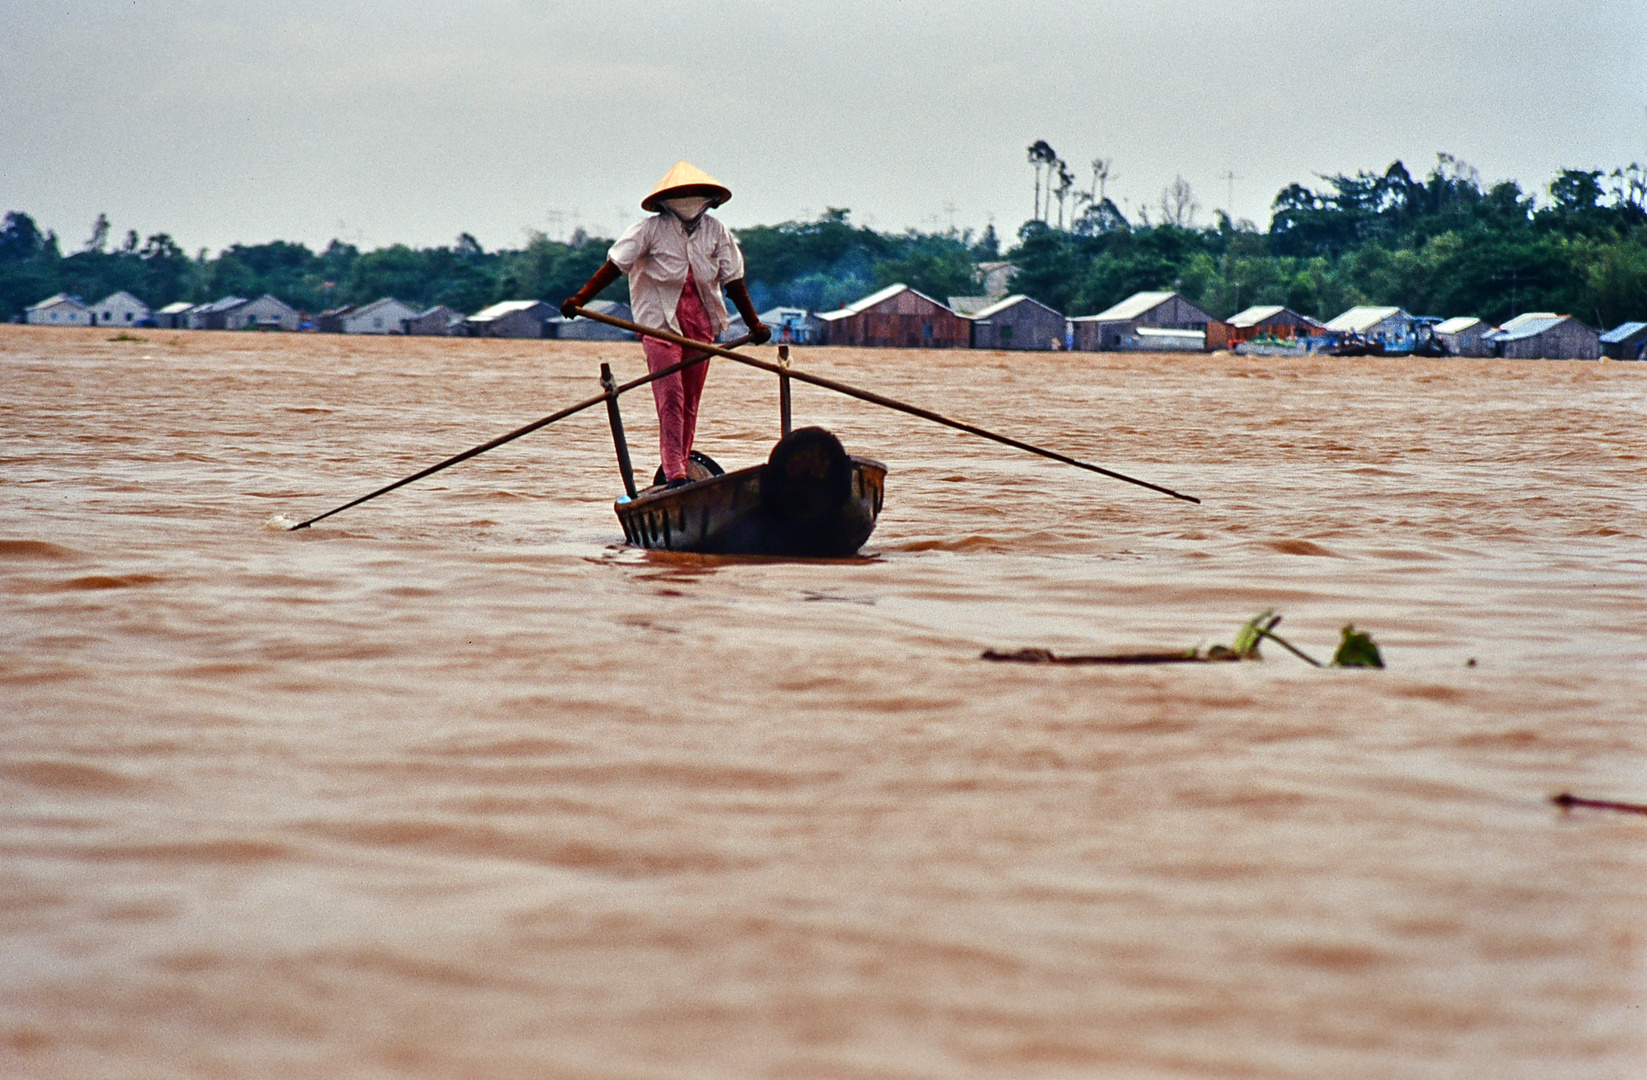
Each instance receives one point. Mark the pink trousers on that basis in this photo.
(677, 395)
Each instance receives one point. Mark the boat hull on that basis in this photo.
(727, 515)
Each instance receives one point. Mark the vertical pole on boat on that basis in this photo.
(610, 385)
(783, 388)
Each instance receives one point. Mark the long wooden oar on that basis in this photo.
(528, 429)
(1567, 801)
(874, 399)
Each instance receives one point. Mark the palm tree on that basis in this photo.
(1066, 180)
(1041, 154)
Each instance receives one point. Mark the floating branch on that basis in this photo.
(1047, 656)
(1355, 649)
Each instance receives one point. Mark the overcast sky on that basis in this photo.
(410, 121)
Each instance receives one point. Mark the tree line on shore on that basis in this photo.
(1444, 244)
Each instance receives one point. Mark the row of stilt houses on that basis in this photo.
(511, 318)
(904, 318)
(1164, 321)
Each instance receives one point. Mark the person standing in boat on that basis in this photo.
(678, 262)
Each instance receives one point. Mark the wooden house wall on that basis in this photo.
(902, 322)
(1025, 325)
(1175, 313)
(1285, 324)
(1467, 342)
(1628, 349)
(1567, 340)
(1100, 336)
(433, 323)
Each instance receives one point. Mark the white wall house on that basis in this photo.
(264, 313)
(383, 316)
(120, 309)
(59, 310)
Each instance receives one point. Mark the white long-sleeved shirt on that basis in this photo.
(656, 254)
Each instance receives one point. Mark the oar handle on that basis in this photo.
(873, 398)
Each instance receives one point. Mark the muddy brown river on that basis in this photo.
(456, 785)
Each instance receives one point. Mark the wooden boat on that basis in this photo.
(810, 500)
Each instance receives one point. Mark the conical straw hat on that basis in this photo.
(686, 179)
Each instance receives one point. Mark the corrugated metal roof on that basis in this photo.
(176, 307)
(874, 298)
(1009, 301)
(1458, 325)
(880, 296)
(1530, 316)
(1360, 319)
(502, 308)
(57, 298)
(1532, 324)
(375, 304)
(1622, 331)
(1132, 307)
(273, 299)
(1255, 315)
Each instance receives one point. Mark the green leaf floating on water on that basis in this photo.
(1250, 635)
(1357, 649)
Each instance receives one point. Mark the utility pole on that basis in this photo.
(950, 208)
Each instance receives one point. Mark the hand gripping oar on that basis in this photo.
(874, 399)
(533, 426)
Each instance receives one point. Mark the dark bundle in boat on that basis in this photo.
(811, 499)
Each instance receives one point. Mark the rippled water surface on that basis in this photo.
(455, 785)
